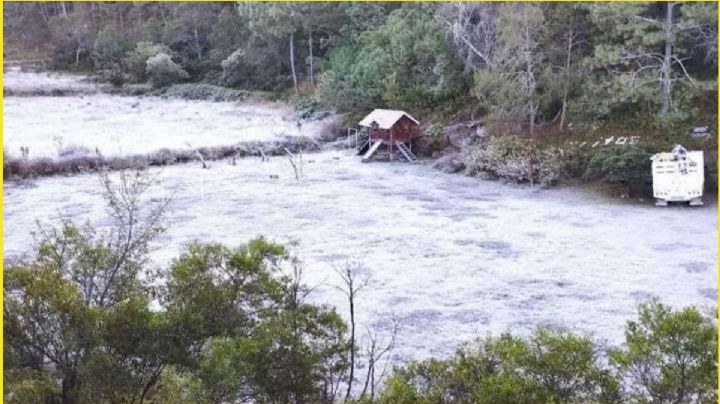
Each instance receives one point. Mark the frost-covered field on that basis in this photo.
(16, 80)
(452, 257)
(133, 125)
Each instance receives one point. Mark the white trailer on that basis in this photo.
(678, 176)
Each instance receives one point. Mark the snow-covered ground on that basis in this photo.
(451, 257)
(117, 125)
(19, 81)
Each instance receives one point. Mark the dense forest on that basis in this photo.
(524, 63)
(553, 72)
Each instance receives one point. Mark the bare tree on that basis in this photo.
(473, 30)
(355, 277)
(657, 60)
(377, 347)
(294, 164)
(137, 223)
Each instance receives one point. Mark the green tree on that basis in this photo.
(646, 46)
(59, 307)
(669, 356)
(509, 85)
(136, 60)
(568, 44)
(163, 71)
(551, 366)
(227, 35)
(276, 22)
(404, 64)
(249, 333)
(72, 39)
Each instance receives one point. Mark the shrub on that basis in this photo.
(234, 70)
(71, 151)
(551, 366)
(111, 46)
(114, 75)
(202, 91)
(163, 71)
(308, 108)
(332, 130)
(518, 159)
(136, 60)
(513, 158)
(627, 166)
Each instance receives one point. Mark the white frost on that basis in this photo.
(452, 257)
(118, 125)
(16, 80)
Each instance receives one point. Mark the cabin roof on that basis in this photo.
(385, 118)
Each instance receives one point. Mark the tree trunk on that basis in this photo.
(352, 343)
(197, 44)
(530, 83)
(68, 384)
(566, 83)
(667, 61)
(292, 62)
(45, 13)
(63, 8)
(532, 117)
(312, 79)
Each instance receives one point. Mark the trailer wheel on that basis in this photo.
(696, 202)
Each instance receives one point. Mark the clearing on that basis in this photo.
(117, 125)
(451, 257)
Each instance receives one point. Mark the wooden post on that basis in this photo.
(392, 155)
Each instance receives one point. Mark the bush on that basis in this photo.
(515, 159)
(551, 366)
(202, 91)
(628, 166)
(234, 70)
(332, 130)
(136, 60)
(308, 108)
(163, 71)
(71, 151)
(114, 75)
(110, 48)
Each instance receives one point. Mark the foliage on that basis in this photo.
(550, 366)
(518, 159)
(669, 355)
(79, 325)
(111, 46)
(627, 165)
(163, 71)
(234, 70)
(525, 65)
(136, 60)
(402, 64)
(308, 108)
(62, 309)
(201, 91)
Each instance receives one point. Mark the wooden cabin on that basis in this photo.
(393, 128)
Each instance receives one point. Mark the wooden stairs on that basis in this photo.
(370, 147)
(405, 150)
